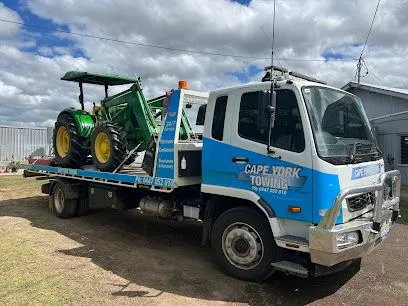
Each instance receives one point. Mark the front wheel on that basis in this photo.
(108, 146)
(243, 244)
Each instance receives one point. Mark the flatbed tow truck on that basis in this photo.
(290, 180)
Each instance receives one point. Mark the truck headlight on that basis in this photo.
(347, 240)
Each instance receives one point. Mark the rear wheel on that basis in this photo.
(68, 144)
(108, 146)
(82, 206)
(243, 244)
(62, 207)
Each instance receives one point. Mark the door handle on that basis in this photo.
(240, 160)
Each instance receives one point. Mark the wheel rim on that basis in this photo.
(102, 148)
(62, 141)
(242, 246)
(59, 200)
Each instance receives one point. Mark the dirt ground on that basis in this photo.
(119, 257)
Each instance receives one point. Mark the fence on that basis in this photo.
(20, 142)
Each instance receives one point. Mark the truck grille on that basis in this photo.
(361, 201)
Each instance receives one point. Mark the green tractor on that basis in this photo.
(122, 125)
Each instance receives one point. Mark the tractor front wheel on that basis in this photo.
(68, 144)
(108, 146)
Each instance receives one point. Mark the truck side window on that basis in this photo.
(288, 131)
(219, 118)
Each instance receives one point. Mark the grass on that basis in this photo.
(16, 187)
(7, 181)
(24, 279)
(404, 213)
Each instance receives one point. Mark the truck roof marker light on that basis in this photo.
(294, 209)
(182, 84)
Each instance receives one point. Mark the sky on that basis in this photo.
(318, 38)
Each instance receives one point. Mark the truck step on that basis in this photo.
(291, 268)
(294, 240)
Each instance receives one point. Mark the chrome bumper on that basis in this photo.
(323, 237)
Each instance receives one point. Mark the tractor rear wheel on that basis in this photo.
(108, 146)
(68, 144)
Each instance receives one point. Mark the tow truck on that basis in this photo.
(285, 180)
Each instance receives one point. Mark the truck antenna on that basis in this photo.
(273, 39)
(271, 107)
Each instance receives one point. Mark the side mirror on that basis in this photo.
(266, 109)
(201, 114)
(263, 103)
(272, 109)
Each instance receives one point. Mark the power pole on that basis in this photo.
(359, 70)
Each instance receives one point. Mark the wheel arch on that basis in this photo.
(71, 191)
(218, 204)
(84, 120)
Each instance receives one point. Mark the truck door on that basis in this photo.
(240, 163)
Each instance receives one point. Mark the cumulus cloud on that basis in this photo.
(30, 69)
(8, 29)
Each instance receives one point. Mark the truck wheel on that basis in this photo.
(243, 244)
(63, 207)
(68, 144)
(108, 146)
(82, 206)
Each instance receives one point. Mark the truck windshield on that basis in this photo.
(341, 129)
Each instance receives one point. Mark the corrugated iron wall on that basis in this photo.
(389, 130)
(20, 142)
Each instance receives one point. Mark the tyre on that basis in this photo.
(108, 146)
(82, 208)
(68, 144)
(243, 244)
(62, 207)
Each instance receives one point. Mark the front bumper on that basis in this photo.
(372, 227)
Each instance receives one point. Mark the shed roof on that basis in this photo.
(391, 91)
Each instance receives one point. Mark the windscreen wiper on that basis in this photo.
(373, 146)
(363, 148)
(351, 158)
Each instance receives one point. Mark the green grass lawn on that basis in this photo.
(16, 187)
(24, 278)
(8, 181)
(404, 213)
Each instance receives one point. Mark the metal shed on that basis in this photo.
(379, 100)
(392, 136)
(20, 142)
(387, 109)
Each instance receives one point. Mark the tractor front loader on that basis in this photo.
(118, 128)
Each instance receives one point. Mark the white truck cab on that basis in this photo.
(321, 185)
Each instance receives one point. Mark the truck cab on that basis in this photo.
(319, 182)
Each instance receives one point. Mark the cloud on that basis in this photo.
(31, 65)
(8, 29)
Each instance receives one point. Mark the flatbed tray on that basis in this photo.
(130, 176)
